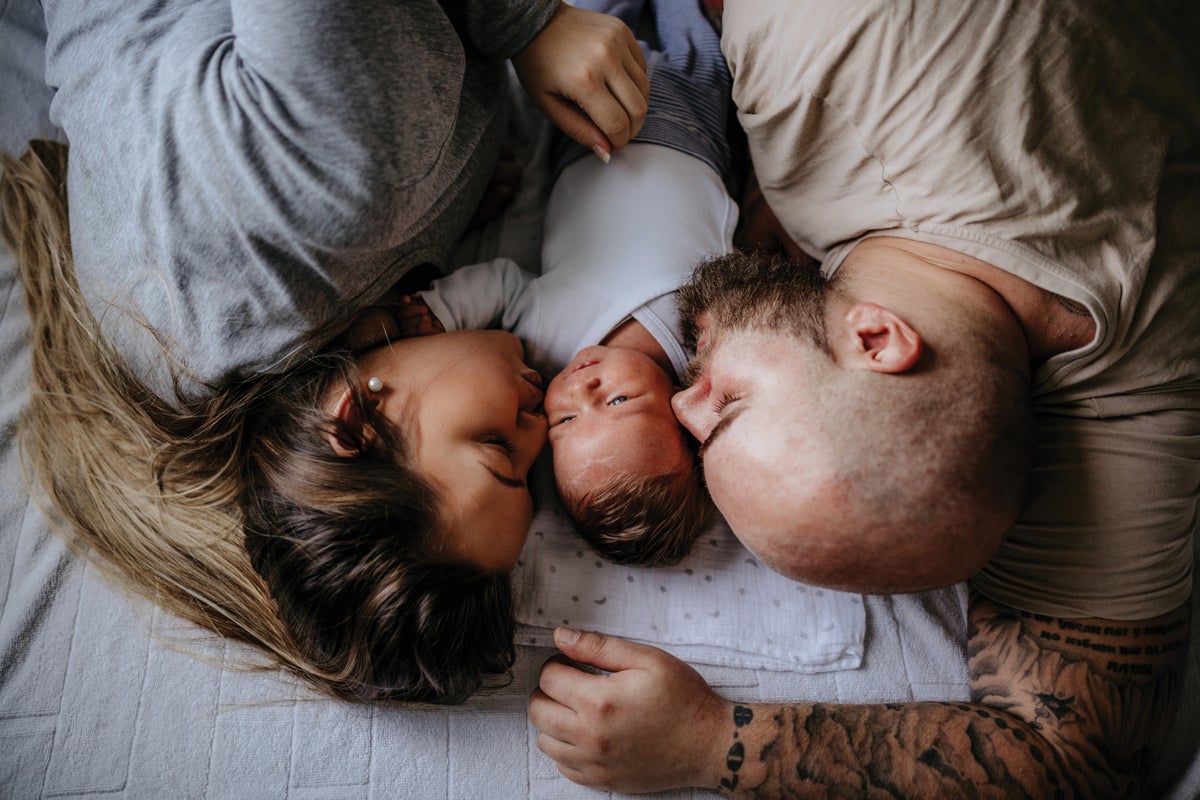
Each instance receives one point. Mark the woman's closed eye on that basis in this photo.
(500, 442)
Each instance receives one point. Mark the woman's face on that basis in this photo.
(472, 413)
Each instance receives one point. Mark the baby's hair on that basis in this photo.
(234, 512)
(644, 520)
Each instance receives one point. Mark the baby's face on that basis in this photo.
(610, 414)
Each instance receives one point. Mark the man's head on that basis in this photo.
(870, 432)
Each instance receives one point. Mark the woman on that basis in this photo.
(350, 535)
(200, 452)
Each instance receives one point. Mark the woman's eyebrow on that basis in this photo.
(512, 483)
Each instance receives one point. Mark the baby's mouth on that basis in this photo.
(584, 364)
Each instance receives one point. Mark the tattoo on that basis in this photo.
(1059, 708)
(736, 756)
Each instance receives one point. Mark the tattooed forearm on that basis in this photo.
(742, 716)
(918, 750)
(1048, 718)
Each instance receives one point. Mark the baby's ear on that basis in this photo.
(885, 341)
(353, 434)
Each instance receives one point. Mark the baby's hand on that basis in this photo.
(415, 318)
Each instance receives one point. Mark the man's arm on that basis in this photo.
(1060, 708)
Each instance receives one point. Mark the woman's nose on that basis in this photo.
(690, 409)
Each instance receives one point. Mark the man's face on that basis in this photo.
(749, 404)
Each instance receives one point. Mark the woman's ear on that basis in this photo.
(885, 341)
(349, 415)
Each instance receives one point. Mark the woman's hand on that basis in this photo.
(649, 725)
(586, 72)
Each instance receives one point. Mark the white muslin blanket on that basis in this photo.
(719, 606)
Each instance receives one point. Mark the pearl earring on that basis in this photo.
(375, 384)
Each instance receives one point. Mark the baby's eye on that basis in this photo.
(616, 401)
(561, 420)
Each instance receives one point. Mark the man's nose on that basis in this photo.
(691, 411)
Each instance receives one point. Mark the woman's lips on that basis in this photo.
(533, 377)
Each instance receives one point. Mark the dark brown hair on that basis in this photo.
(757, 289)
(644, 520)
(346, 545)
(234, 512)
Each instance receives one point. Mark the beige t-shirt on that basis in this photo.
(1062, 145)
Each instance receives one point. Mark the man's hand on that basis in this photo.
(651, 724)
(587, 74)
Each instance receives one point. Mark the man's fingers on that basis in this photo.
(606, 652)
(568, 686)
(566, 758)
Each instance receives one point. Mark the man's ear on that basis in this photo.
(349, 414)
(885, 342)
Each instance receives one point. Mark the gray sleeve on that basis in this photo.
(502, 29)
(481, 296)
(244, 173)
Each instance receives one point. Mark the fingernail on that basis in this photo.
(600, 151)
(565, 637)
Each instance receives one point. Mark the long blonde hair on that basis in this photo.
(106, 451)
(207, 509)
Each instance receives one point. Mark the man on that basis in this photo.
(1004, 206)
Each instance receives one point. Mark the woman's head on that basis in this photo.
(470, 412)
(237, 513)
(386, 521)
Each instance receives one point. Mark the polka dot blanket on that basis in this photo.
(719, 606)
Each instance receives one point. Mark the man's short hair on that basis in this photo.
(756, 289)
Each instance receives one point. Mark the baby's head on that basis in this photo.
(626, 470)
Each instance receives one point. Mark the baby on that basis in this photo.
(619, 238)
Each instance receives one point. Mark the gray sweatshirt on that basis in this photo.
(245, 173)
